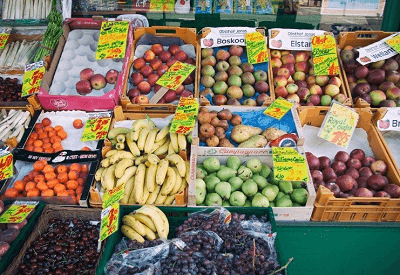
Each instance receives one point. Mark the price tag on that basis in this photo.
(162, 5)
(256, 48)
(175, 76)
(112, 40)
(394, 42)
(96, 128)
(339, 124)
(32, 78)
(6, 166)
(390, 121)
(185, 116)
(289, 165)
(113, 196)
(324, 55)
(278, 108)
(18, 211)
(3, 39)
(109, 221)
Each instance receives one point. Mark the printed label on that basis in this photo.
(225, 36)
(109, 221)
(6, 166)
(324, 55)
(376, 51)
(289, 165)
(18, 211)
(112, 40)
(292, 39)
(256, 48)
(391, 120)
(113, 196)
(3, 39)
(96, 128)
(394, 42)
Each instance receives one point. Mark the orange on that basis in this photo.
(49, 150)
(38, 166)
(71, 185)
(11, 192)
(58, 128)
(62, 134)
(19, 185)
(48, 129)
(38, 178)
(55, 139)
(47, 193)
(56, 145)
(79, 190)
(48, 168)
(52, 183)
(29, 148)
(62, 177)
(75, 167)
(80, 182)
(85, 168)
(33, 193)
(85, 149)
(43, 135)
(38, 143)
(63, 193)
(45, 140)
(50, 176)
(71, 192)
(38, 126)
(83, 175)
(29, 142)
(52, 134)
(46, 145)
(38, 149)
(46, 122)
(34, 136)
(42, 186)
(59, 187)
(57, 149)
(73, 175)
(61, 169)
(26, 179)
(39, 131)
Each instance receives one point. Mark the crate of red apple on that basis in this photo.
(376, 84)
(89, 80)
(156, 49)
(294, 79)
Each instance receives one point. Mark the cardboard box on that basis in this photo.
(75, 102)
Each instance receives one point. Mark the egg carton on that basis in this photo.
(79, 53)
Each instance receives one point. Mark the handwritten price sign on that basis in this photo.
(289, 165)
(3, 39)
(32, 78)
(185, 116)
(6, 167)
(17, 212)
(339, 125)
(393, 42)
(96, 128)
(113, 195)
(112, 40)
(175, 76)
(109, 221)
(278, 108)
(324, 55)
(256, 48)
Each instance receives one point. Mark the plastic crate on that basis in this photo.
(329, 208)
(176, 216)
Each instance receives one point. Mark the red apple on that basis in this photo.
(146, 70)
(112, 76)
(86, 74)
(152, 79)
(173, 49)
(98, 81)
(162, 69)
(171, 62)
(155, 63)
(190, 61)
(138, 63)
(137, 78)
(181, 56)
(157, 48)
(149, 55)
(133, 93)
(164, 56)
(144, 87)
(142, 99)
(83, 87)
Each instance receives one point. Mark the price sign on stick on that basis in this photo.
(289, 165)
(18, 211)
(113, 195)
(256, 48)
(6, 166)
(185, 116)
(3, 39)
(394, 42)
(109, 221)
(278, 108)
(96, 127)
(324, 55)
(32, 78)
(112, 40)
(172, 79)
(339, 124)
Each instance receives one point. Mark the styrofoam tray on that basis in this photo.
(392, 140)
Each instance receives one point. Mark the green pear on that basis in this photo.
(244, 173)
(223, 189)
(254, 165)
(295, 204)
(252, 197)
(272, 179)
(236, 183)
(286, 187)
(284, 202)
(225, 173)
(247, 203)
(261, 181)
(265, 171)
(201, 173)
(242, 132)
(298, 184)
(222, 166)
(249, 187)
(211, 183)
(299, 196)
(280, 195)
(213, 199)
(233, 162)
(271, 204)
(200, 184)
(200, 196)
(211, 164)
(226, 204)
(258, 141)
(271, 191)
(260, 201)
(237, 199)
(210, 176)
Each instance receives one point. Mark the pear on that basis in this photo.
(260, 201)
(211, 183)
(280, 195)
(200, 184)
(223, 189)
(271, 191)
(226, 204)
(225, 173)
(244, 173)
(213, 199)
(236, 183)
(271, 204)
(298, 184)
(211, 164)
(257, 141)
(299, 196)
(249, 187)
(295, 204)
(201, 173)
(272, 179)
(233, 162)
(237, 199)
(247, 203)
(200, 196)
(284, 202)
(210, 176)
(265, 171)
(286, 187)
(242, 132)
(254, 165)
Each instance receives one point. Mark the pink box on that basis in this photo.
(87, 103)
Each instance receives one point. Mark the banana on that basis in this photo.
(141, 159)
(121, 155)
(158, 145)
(162, 134)
(105, 163)
(131, 234)
(183, 185)
(120, 146)
(162, 215)
(133, 223)
(178, 183)
(174, 141)
(170, 149)
(139, 182)
(142, 123)
(110, 153)
(161, 171)
(179, 163)
(103, 175)
(128, 190)
(163, 149)
(147, 163)
(160, 199)
(145, 220)
(122, 166)
(158, 220)
(153, 196)
(99, 171)
(170, 199)
(169, 182)
(114, 132)
(129, 172)
(182, 142)
(142, 138)
(120, 138)
(149, 233)
(151, 137)
(145, 196)
(109, 178)
(151, 178)
(187, 175)
(153, 159)
(132, 146)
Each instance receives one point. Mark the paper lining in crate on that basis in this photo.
(126, 120)
(302, 213)
(252, 116)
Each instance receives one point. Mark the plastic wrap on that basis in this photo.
(257, 226)
(211, 241)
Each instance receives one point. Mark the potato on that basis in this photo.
(9, 235)
(18, 226)
(3, 248)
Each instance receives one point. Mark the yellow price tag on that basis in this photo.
(278, 108)
(3, 39)
(256, 48)
(109, 221)
(324, 55)
(289, 165)
(394, 42)
(32, 78)
(113, 196)
(6, 167)
(185, 116)
(18, 212)
(175, 75)
(96, 128)
(112, 40)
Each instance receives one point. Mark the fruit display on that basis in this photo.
(228, 79)
(10, 90)
(377, 83)
(245, 184)
(352, 175)
(146, 159)
(151, 63)
(78, 71)
(251, 129)
(45, 180)
(294, 79)
(13, 124)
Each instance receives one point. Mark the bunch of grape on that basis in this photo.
(179, 262)
(201, 242)
(128, 270)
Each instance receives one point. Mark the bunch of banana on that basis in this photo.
(147, 222)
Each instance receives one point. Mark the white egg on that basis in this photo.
(75, 34)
